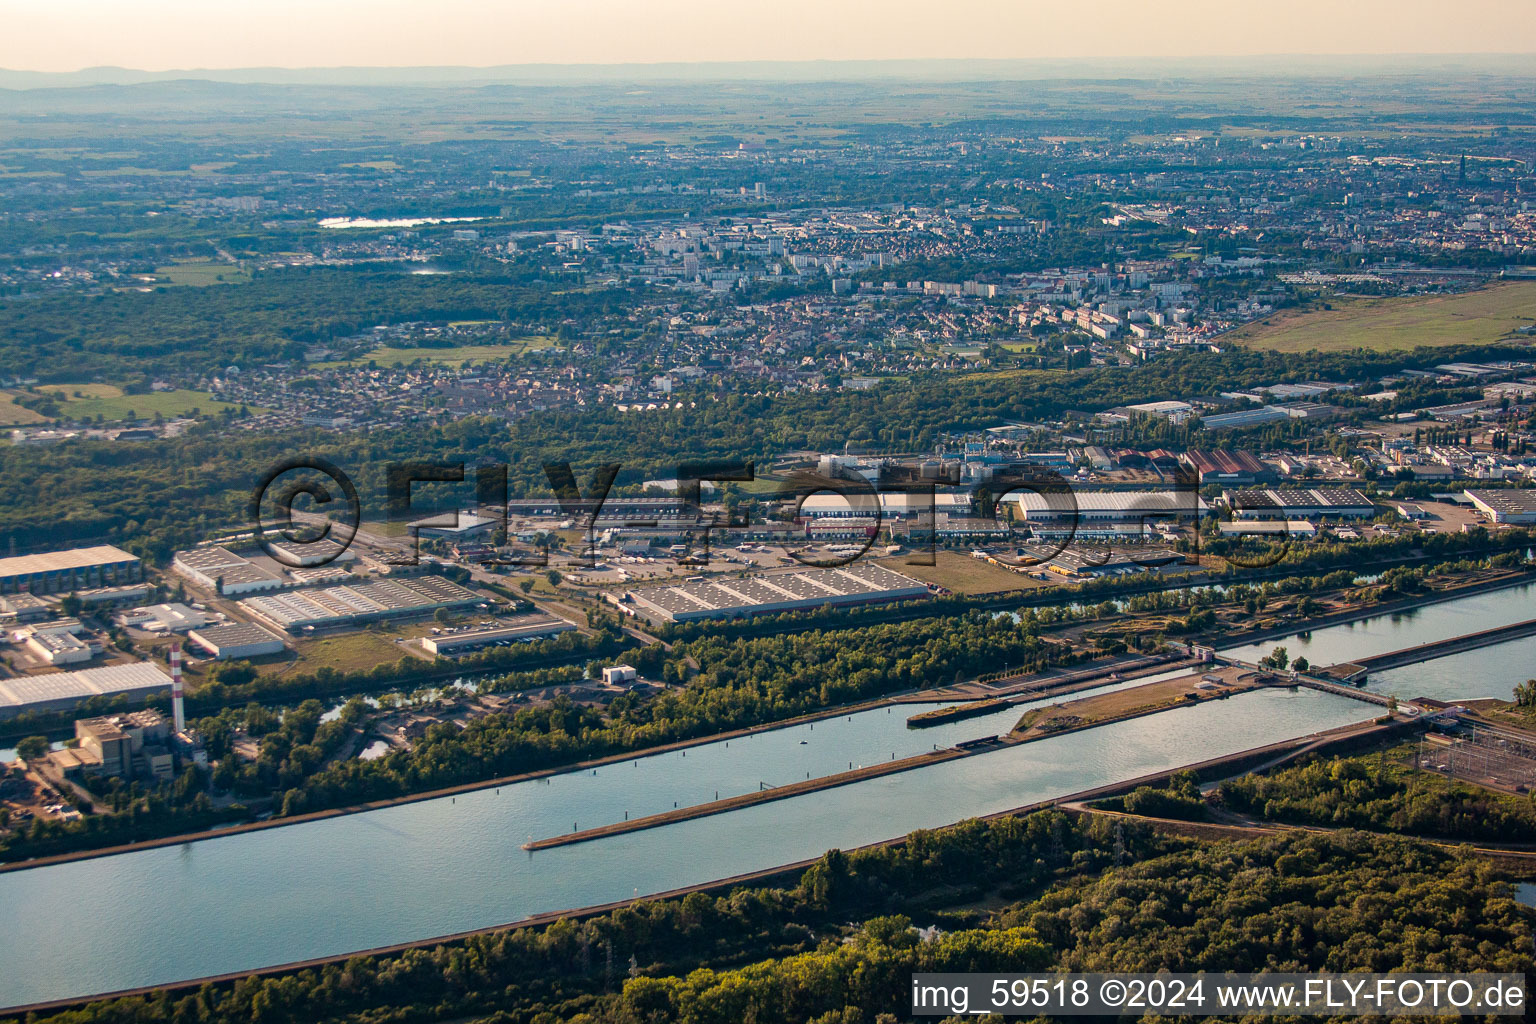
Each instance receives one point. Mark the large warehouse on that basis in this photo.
(359, 602)
(59, 572)
(224, 572)
(1300, 503)
(1119, 506)
(525, 627)
(893, 504)
(1516, 508)
(865, 583)
(66, 689)
(235, 640)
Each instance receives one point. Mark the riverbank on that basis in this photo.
(1505, 581)
(1043, 723)
(781, 874)
(1042, 685)
(1080, 679)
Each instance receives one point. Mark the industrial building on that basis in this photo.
(60, 572)
(1268, 528)
(1299, 503)
(24, 608)
(1114, 506)
(1515, 508)
(614, 511)
(224, 572)
(1080, 564)
(57, 690)
(893, 504)
(171, 618)
(779, 592)
(358, 603)
(59, 648)
(527, 627)
(1227, 467)
(124, 745)
(1242, 419)
(235, 640)
(457, 525)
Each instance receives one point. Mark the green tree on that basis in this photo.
(1525, 694)
(32, 748)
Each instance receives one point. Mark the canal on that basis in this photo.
(442, 866)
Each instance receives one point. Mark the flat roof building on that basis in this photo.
(725, 598)
(112, 742)
(59, 572)
(59, 648)
(1121, 506)
(527, 627)
(236, 640)
(1511, 507)
(1242, 419)
(1300, 503)
(1077, 563)
(57, 690)
(173, 617)
(24, 608)
(224, 572)
(357, 603)
(893, 504)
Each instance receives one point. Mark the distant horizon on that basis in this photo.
(948, 68)
(159, 36)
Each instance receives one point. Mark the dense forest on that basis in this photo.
(1382, 794)
(271, 319)
(1042, 892)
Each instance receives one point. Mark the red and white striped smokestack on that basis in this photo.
(178, 717)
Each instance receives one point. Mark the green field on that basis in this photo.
(200, 275)
(109, 402)
(346, 652)
(388, 355)
(957, 572)
(12, 414)
(1388, 324)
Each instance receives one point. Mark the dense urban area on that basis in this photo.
(373, 455)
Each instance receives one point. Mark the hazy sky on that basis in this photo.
(157, 35)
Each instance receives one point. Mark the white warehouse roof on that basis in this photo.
(23, 692)
(1130, 503)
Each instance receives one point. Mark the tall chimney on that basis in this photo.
(177, 715)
